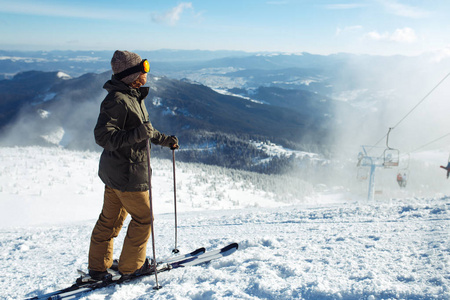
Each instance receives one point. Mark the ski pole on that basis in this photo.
(175, 250)
(157, 286)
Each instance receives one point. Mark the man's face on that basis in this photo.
(142, 79)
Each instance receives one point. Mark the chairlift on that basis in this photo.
(362, 170)
(405, 166)
(364, 160)
(391, 156)
(362, 174)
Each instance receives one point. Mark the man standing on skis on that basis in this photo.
(122, 130)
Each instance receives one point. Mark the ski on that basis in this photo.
(206, 257)
(196, 257)
(180, 257)
(79, 286)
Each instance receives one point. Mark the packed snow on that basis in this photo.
(273, 149)
(294, 243)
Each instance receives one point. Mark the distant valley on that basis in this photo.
(220, 104)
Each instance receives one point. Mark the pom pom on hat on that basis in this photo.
(123, 60)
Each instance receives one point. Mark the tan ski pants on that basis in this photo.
(116, 206)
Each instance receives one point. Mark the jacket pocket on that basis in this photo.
(138, 176)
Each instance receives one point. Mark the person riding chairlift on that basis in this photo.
(401, 179)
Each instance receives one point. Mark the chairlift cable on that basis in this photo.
(433, 141)
(423, 99)
(420, 102)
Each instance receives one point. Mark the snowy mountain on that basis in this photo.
(77, 63)
(44, 108)
(297, 240)
(379, 89)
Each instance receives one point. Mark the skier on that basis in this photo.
(122, 130)
(447, 168)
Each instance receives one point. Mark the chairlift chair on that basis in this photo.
(404, 167)
(391, 156)
(362, 173)
(364, 161)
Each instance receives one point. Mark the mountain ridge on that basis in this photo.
(68, 108)
(298, 101)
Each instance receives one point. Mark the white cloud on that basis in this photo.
(374, 35)
(396, 8)
(401, 35)
(172, 16)
(404, 35)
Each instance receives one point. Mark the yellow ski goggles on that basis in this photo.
(143, 67)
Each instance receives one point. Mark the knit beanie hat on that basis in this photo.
(123, 60)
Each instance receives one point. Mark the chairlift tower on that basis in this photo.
(364, 160)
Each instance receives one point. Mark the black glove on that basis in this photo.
(173, 142)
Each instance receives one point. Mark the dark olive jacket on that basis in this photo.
(121, 132)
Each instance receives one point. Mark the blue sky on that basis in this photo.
(385, 27)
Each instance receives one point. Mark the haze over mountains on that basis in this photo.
(221, 103)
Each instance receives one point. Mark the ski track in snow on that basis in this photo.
(394, 249)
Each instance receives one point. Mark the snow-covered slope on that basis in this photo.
(52, 185)
(302, 246)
